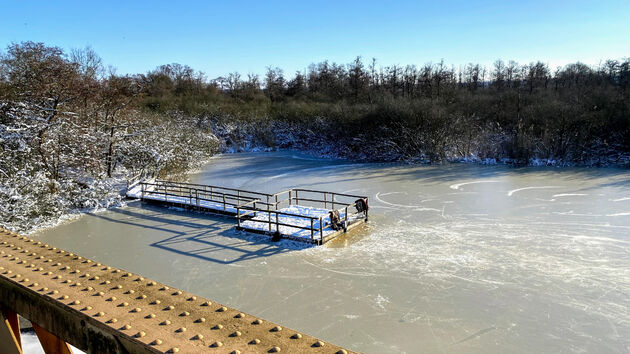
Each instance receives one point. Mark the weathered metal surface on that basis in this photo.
(102, 309)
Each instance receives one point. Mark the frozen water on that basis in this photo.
(444, 265)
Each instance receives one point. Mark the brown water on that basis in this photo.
(456, 258)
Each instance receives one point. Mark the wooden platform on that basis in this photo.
(297, 214)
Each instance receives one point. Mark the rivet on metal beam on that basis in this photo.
(75, 302)
(178, 292)
(342, 351)
(113, 320)
(222, 309)
(257, 321)
(239, 315)
(151, 315)
(235, 351)
(318, 344)
(113, 298)
(181, 329)
(100, 314)
(198, 337)
(165, 323)
(164, 288)
(155, 302)
(123, 304)
(140, 334)
(216, 344)
(156, 342)
(169, 307)
(219, 326)
(274, 350)
(207, 303)
(137, 309)
(86, 308)
(192, 298)
(200, 320)
(236, 334)
(254, 341)
(276, 329)
(173, 350)
(296, 336)
(185, 313)
(141, 297)
(127, 327)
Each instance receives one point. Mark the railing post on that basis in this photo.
(275, 206)
(312, 231)
(290, 201)
(142, 186)
(297, 200)
(268, 214)
(238, 215)
(333, 201)
(366, 209)
(224, 202)
(165, 193)
(197, 198)
(325, 202)
(277, 225)
(346, 224)
(238, 196)
(321, 229)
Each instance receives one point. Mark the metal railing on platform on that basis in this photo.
(316, 225)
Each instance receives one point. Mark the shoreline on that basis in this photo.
(120, 201)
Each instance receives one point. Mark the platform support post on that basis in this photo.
(51, 343)
(10, 332)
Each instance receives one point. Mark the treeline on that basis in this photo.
(573, 114)
(70, 129)
(70, 132)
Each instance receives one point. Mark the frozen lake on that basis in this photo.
(456, 258)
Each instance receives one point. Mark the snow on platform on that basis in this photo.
(300, 217)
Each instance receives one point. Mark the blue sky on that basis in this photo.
(218, 37)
